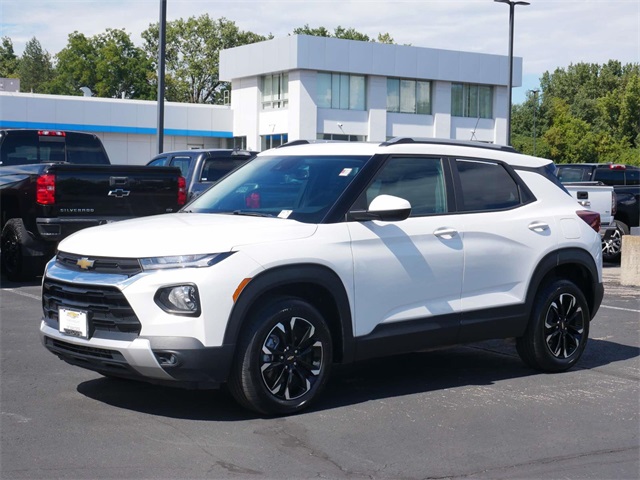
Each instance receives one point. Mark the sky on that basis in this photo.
(548, 34)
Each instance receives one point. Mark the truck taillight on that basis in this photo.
(182, 191)
(46, 189)
(614, 203)
(591, 218)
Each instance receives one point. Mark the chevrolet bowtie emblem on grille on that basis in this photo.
(119, 193)
(84, 263)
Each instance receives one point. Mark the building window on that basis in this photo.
(341, 91)
(273, 141)
(408, 96)
(275, 91)
(468, 100)
(341, 136)
(240, 143)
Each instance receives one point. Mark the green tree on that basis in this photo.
(109, 64)
(35, 69)
(8, 59)
(343, 33)
(122, 69)
(570, 139)
(192, 56)
(75, 66)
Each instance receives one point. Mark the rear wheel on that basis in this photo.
(283, 358)
(16, 265)
(558, 328)
(612, 247)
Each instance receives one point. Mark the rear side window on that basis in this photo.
(486, 186)
(609, 176)
(633, 177)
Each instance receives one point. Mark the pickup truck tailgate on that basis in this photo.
(129, 191)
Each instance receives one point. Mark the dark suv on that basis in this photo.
(203, 167)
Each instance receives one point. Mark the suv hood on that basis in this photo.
(182, 234)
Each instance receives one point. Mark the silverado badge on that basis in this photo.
(84, 263)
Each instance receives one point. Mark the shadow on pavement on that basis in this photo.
(478, 364)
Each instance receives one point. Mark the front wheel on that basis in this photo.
(283, 359)
(558, 328)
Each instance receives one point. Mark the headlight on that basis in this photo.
(183, 261)
(179, 300)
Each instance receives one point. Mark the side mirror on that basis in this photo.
(384, 207)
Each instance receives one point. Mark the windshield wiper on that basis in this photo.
(252, 213)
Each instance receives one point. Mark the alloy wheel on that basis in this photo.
(564, 326)
(613, 245)
(291, 359)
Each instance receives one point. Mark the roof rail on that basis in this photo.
(446, 141)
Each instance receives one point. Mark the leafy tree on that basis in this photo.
(109, 64)
(35, 69)
(8, 59)
(75, 66)
(192, 56)
(588, 112)
(343, 33)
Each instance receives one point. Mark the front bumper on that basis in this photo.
(175, 361)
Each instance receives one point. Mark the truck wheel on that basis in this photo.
(283, 358)
(15, 264)
(558, 328)
(612, 247)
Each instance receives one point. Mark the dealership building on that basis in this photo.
(299, 87)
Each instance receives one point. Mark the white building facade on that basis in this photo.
(298, 87)
(306, 87)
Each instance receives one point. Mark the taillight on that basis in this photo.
(614, 203)
(182, 191)
(591, 218)
(46, 189)
(252, 200)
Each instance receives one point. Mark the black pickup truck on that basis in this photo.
(54, 183)
(625, 180)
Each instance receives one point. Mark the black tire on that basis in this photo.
(15, 264)
(283, 358)
(612, 247)
(558, 329)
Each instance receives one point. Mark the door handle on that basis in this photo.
(445, 232)
(538, 226)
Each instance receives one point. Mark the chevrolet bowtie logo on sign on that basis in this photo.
(119, 193)
(84, 263)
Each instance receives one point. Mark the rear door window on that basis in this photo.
(182, 162)
(486, 186)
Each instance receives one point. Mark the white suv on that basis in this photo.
(320, 253)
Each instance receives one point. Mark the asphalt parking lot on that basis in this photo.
(469, 412)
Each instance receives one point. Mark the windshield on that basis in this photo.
(300, 188)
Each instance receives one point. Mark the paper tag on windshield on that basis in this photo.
(346, 172)
(285, 213)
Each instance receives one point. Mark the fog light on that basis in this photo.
(166, 359)
(179, 300)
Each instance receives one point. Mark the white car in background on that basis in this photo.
(318, 253)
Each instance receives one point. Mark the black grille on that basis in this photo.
(108, 309)
(122, 266)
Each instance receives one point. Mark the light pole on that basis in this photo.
(162, 36)
(512, 6)
(535, 108)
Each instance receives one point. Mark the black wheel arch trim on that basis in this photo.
(277, 280)
(567, 257)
